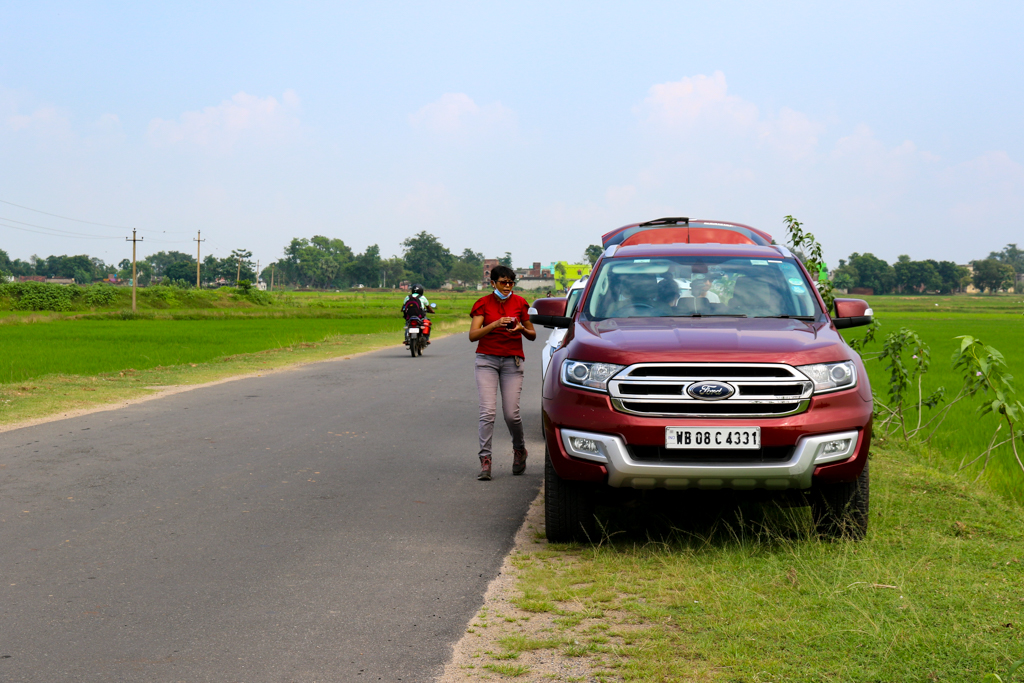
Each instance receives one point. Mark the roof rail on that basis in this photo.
(685, 231)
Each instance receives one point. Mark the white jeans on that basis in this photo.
(494, 373)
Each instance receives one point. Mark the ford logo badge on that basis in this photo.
(710, 391)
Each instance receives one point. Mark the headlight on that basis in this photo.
(831, 376)
(590, 375)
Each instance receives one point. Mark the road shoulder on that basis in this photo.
(503, 639)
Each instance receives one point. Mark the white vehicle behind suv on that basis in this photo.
(554, 339)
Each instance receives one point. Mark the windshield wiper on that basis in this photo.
(711, 315)
(790, 317)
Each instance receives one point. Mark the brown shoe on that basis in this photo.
(485, 469)
(518, 461)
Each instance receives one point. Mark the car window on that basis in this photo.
(574, 299)
(687, 286)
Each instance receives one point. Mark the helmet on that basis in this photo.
(417, 289)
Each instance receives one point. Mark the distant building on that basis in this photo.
(60, 280)
(31, 278)
(535, 277)
(489, 265)
(573, 271)
(970, 288)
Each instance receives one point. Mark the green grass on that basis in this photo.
(933, 594)
(35, 344)
(55, 362)
(90, 347)
(996, 320)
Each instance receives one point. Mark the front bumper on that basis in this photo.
(624, 471)
(617, 436)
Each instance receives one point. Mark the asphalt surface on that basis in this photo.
(319, 524)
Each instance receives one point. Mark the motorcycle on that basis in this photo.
(417, 332)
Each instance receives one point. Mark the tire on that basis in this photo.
(568, 508)
(412, 346)
(841, 510)
(420, 343)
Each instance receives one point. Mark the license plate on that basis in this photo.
(414, 330)
(742, 438)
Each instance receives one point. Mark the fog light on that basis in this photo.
(584, 445)
(835, 447)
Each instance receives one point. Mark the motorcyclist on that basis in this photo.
(417, 292)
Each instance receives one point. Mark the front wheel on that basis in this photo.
(841, 510)
(568, 508)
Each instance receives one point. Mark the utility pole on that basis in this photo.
(199, 233)
(134, 274)
(257, 273)
(239, 273)
(271, 278)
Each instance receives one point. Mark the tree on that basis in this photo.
(142, 268)
(1011, 255)
(316, 262)
(467, 268)
(393, 271)
(872, 272)
(427, 259)
(164, 259)
(919, 276)
(506, 260)
(365, 268)
(560, 276)
(245, 269)
(592, 253)
(992, 275)
(952, 278)
(180, 270)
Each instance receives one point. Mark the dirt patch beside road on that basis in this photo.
(504, 641)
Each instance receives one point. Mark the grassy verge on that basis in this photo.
(998, 321)
(743, 593)
(57, 394)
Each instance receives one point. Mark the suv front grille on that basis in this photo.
(759, 390)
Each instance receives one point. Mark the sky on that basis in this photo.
(526, 127)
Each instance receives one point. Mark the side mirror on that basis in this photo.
(852, 313)
(433, 306)
(550, 312)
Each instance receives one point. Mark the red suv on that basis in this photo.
(702, 357)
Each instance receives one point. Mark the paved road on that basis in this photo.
(322, 524)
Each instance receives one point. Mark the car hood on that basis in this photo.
(625, 341)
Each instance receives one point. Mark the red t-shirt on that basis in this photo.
(501, 342)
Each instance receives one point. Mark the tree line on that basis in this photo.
(328, 263)
(318, 262)
(998, 271)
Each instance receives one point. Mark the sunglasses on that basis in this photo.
(505, 283)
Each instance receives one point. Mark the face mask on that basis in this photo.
(502, 296)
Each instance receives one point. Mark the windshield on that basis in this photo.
(700, 286)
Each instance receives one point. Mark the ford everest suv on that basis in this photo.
(702, 356)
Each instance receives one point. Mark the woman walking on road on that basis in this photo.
(500, 321)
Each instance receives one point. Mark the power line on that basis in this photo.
(67, 218)
(80, 220)
(67, 235)
(57, 232)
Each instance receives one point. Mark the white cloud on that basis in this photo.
(697, 100)
(45, 121)
(243, 117)
(701, 106)
(458, 114)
